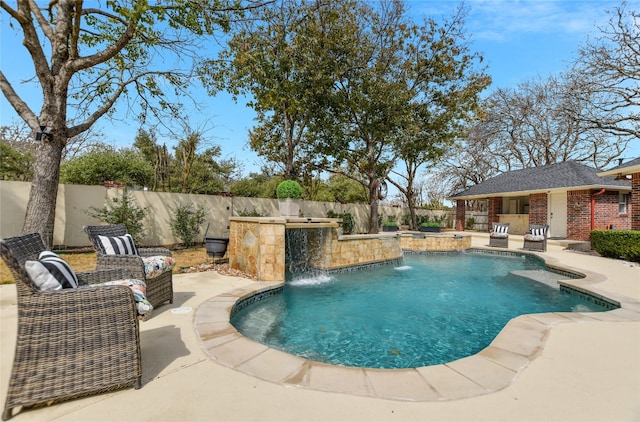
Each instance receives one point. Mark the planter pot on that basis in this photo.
(389, 228)
(289, 207)
(216, 246)
(430, 229)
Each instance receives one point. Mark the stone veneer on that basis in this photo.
(257, 245)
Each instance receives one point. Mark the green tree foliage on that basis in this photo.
(86, 59)
(104, 162)
(123, 210)
(447, 86)
(187, 222)
(17, 153)
(278, 57)
(345, 189)
(14, 165)
(257, 185)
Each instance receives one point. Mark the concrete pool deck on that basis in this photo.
(585, 368)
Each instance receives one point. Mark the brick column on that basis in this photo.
(495, 208)
(579, 214)
(635, 201)
(538, 208)
(460, 214)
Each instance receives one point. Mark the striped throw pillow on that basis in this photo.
(538, 232)
(117, 245)
(50, 272)
(501, 229)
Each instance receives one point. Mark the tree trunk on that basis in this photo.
(373, 208)
(41, 208)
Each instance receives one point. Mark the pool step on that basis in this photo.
(542, 276)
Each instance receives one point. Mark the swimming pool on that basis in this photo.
(429, 310)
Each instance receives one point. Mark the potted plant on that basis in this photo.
(432, 227)
(289, 193)
(389, 226)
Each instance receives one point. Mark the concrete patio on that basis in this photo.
(587, 368)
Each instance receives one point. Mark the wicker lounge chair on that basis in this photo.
(71, 342)
(536, 238)
(159, 289)
(499, 236)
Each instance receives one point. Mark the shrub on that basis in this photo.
(289, 189)
(250, 213)
(390, 224)
(348, 223)
(185, 223)
(470, 224)
(623, 244)
(431, 224)
(123, 210)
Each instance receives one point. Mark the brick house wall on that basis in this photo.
(495, 208)
(606, 213)
(538, 208)
(579, 214)
(635, 201)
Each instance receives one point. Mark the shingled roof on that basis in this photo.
(632, 166)
(559, 176)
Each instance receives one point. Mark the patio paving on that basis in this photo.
(586, 368)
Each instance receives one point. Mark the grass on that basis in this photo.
(86, 261)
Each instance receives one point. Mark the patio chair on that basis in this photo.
(536, 238)
(159, 287)
(499, 236)
(71, 342)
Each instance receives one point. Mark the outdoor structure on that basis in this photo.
(258, 245)
(632, 169)
(570, 197)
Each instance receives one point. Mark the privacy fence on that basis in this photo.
(74, 202)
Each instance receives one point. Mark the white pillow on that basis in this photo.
(51, 272)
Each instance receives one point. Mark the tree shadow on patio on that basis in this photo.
(160, 347)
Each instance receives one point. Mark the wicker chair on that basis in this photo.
(159, 289)
(540, 242)
(499, 236)
(72, 342)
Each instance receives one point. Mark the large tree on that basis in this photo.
(281, 60)
(607, 76)
(447, 81)
(87, 57)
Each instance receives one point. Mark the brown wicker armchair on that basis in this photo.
(159, 289)
(499, 236)
(536, 238)
(71, 342)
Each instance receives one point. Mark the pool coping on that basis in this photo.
(494, 368)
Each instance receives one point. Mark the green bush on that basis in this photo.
(431, 224)
(348, 223)
(289, 189)
(470, 224)
(186, 222)
(123, 210)
(623, 244)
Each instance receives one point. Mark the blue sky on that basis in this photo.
(519, 39)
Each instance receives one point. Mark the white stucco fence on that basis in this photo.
(74, 201)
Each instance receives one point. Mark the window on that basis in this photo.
(622, 202)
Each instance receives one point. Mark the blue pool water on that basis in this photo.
(430, 310)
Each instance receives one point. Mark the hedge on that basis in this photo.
(623, 244)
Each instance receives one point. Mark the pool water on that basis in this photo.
(432, 309)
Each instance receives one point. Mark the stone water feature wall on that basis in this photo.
(257, 245)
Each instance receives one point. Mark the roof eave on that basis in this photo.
(531, 192)
(625, 171)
